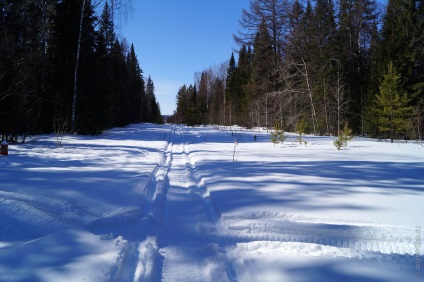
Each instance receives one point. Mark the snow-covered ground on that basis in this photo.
(150, 203)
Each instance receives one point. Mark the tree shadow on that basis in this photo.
(313, 186)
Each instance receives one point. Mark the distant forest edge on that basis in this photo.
(64, 69)
(331, 63)
(328, 63)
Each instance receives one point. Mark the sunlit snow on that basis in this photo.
(167, 203)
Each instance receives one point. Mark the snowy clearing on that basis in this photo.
(151, 203)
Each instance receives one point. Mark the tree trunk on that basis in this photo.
(314, 116)
(74, 100)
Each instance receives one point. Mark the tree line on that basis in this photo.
(330, 63)
(63, 68)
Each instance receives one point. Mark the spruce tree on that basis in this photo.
(135, 102)
(392, 106)
(262, 62)
(192, 114)
(231, 86)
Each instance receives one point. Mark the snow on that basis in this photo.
(167, 203)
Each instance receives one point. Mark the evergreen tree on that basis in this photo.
(403, 44)
(262, 63)
(153, 108)
(21, 89)
(396, 34)
(392, 106)
(59, 68)
(238, 79)
(356, 36)
(137, 109)
(119, 84)
(62, 57)
(232, 85)
(92, 107)
(242, 77)
(193, 114)
(417, 61)
(106, 27)
(277, 135)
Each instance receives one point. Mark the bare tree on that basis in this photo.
(339, 94)
(275, 15)
(305, 73)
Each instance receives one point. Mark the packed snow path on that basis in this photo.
(180, 206)
(187, 254)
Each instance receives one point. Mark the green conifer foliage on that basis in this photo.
(392, 106)
(277, 136)
(301, 127)
(344, 136)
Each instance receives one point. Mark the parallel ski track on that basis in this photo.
(205, 258)
(140, 259)
(158, 256)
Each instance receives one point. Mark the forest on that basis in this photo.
(64, 69)
(329, 64)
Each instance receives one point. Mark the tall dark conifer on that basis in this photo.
(356, 34)
(137, 110)
(262, 60)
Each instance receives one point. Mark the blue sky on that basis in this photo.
(173, 39)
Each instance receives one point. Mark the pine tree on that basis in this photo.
(301, 128)
(392, 106)
(344, 136)
(277, 136)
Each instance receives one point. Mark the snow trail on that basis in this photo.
(183, 244)
(140, 258)
(173, 243)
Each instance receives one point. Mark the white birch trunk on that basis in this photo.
(74, 100)
(314, 116)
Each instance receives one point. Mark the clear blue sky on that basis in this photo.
(173, 39)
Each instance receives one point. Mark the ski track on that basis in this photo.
(176, 208)
(187, 252)
(186, 239)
